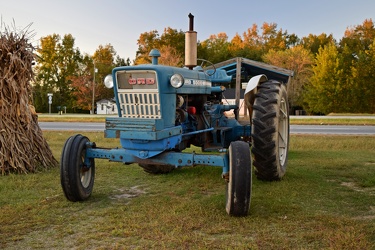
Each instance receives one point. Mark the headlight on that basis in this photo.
(108, 81)
(177, 81)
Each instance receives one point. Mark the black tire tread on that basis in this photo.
(69, 174)
(241, 180)
(265, 130)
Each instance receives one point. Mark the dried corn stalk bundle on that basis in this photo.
(23, 148)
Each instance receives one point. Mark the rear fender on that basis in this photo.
(251, 90)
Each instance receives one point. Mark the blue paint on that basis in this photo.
(156, 121)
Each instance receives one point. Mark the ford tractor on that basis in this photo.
(163, 110)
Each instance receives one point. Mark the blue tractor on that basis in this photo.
(163, 110)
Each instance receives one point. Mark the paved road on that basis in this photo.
(294, 129)
(76, 126)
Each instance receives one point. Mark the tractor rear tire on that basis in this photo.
(157, 169)
(270, 131)
(238, 193)
(77, 179)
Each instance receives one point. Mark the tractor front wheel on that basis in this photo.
(77, 177)
(238, 193)
(270, 131)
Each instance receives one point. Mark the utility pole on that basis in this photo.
(93, 91)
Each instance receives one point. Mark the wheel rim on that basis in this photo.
(229, 186)
(283, 136)
(85, 173)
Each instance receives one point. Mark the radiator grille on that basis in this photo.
(140, 105)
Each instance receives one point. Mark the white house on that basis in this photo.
(106, 107)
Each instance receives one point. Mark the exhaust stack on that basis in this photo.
(191, 45)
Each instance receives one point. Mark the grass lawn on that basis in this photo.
(325, 201)
(333, 121)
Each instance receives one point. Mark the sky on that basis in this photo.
(120, 22)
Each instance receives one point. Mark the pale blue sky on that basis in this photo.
(120, 22)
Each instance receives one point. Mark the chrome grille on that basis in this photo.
(140, 105)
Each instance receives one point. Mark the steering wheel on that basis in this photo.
(204, 62)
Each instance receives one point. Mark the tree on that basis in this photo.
(314, 42)
(272, 38)
(57, 61)
(82, 91)
(82, 85)
(360, 37)
(368, 79)
(121, 61)
(343, 74)
(104, 62)
(299, 60)
(171, 44)
(252, 48)
(363, 73)
(236, 45)
(170, 56)
(146, 42)
(46, 70)
(69, 58)
(100, 65)
(216, 48)
(254, 44)
(252, 37)
(356, 49)
(326, 89)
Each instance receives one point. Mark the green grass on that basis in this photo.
(325, 201)
(71, 118)
(333, 121)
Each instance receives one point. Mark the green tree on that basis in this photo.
(326, 88)
(363, 74)
(291, 40)
(314, 42)
(121, 61)
(69, 58)
(45, 80)
(57, 61)
(216, 48)
(368, 78)
(104, 61)
(356, 49)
